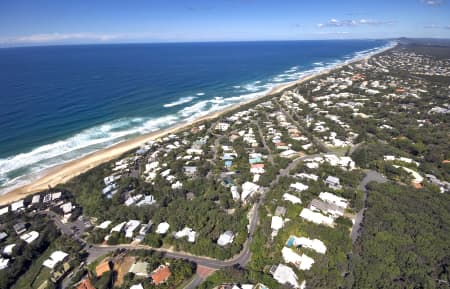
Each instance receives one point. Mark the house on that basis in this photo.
(3, 236)
(162, 228)
(302, 262)
(67, 207)
(257, 169)
(161, 274)
(8, 250)
(284, 275)
(3, 263)
(17, 206)
(4, 210)
(277, 223)
(311, 177)
(30, 236)
(55, 258)
(303, 242)
(333, 199)
(299, 187)
(186, 232)
(36, 199)
(248, 189)
(20, 228)
(328, 208)
(288, 153)
(333, 182)
(291, 198)
(118, 228)
(137, 286)
(130, 227)
(235, 193)
(280, 211)
(225, 238)
(139, 269)
(190, 170)
(222, 126)
(316, 217)
(102, 268)
(86, 284)
(147, 201)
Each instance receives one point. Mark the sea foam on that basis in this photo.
(180, 101)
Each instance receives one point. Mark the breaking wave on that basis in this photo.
(180, 101)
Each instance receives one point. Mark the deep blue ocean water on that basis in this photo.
(61, 102)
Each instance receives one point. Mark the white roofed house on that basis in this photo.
(55, 258)
(222, 126)
(4, 210)
(288, 153)
(302, 262)
(30, 236)
(162, 228)
(333, 182)
(8, 250)
(235, 193)
(333, 199)
(17, 206)
(130, 227)
(67, 207)
(313, 244)
(248, 190)
(285, 275)
(276, 224)
(148, 200)
(291, 198)
(316, 217)
(186, 232)
(299, 187)
(225, 238)
(118, 228)
(3, 263)
(104, 225)
(36, 199)
(328, 208)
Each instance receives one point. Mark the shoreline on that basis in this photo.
(64, 172)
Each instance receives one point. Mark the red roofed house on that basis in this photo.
(102, 268)
(161, 274)
(85, 284)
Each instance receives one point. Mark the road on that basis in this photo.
(263, 140)
(371, 176)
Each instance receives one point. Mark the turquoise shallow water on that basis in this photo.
(59, 103)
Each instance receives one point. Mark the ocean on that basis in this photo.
(58, 103)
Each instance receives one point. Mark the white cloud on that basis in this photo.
(432, 2)
(352, 23)
(59, 37)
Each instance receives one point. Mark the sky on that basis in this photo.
(48, 22)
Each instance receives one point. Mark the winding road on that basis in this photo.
(371, 176)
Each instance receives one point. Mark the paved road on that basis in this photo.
(371, 176)
(195, 282)
(261, 136)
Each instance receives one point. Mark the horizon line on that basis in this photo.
(3, 46)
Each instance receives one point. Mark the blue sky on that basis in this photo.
(30, 22)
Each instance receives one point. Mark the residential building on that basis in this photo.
(161, 274)
(225, 238)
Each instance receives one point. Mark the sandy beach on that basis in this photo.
(65, 172)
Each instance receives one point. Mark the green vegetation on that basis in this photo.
(406, 239)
